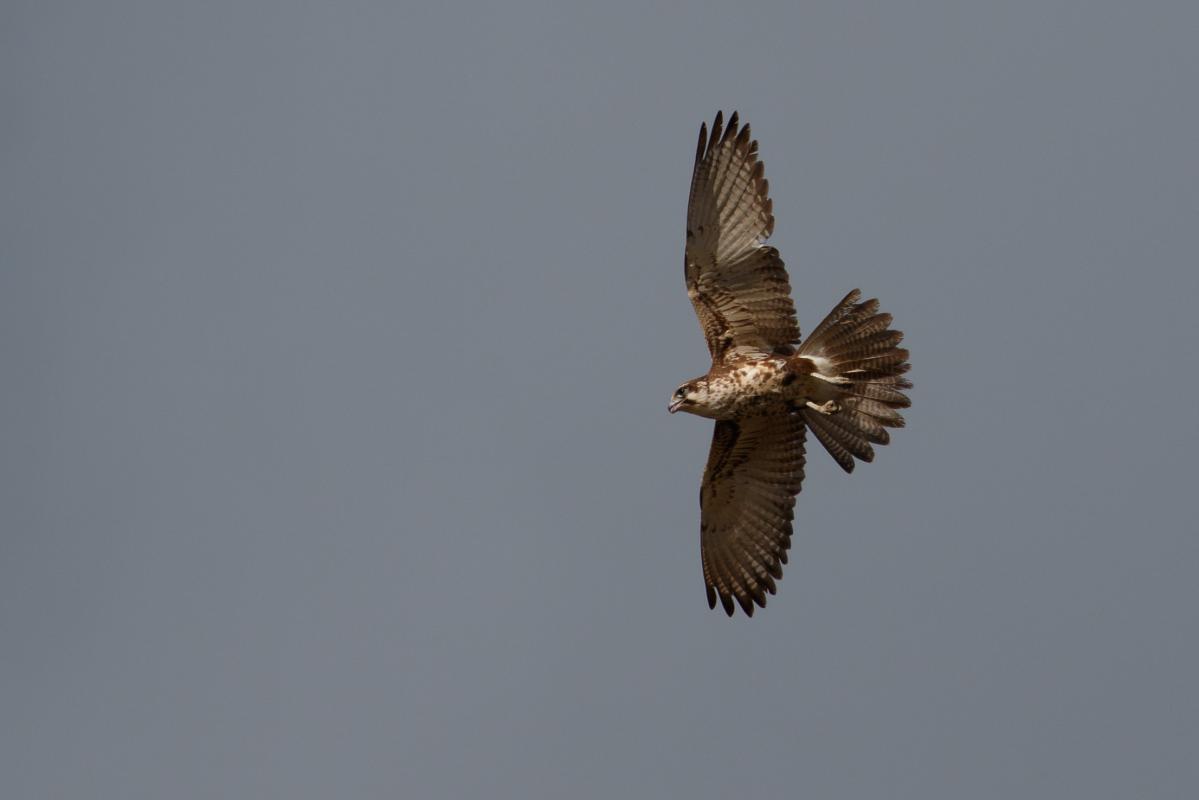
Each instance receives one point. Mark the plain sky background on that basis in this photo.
(337, 339)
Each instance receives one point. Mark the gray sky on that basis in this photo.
(337, 341)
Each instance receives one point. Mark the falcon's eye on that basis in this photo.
(681, 392)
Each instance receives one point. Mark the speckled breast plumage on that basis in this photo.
(751, 387)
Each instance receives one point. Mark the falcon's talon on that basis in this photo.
(827, 407)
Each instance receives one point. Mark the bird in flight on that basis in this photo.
(765, 388)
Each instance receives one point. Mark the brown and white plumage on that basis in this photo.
(765, 388)
(755, 468)
(739, 287)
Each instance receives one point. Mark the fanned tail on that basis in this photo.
(858, 355)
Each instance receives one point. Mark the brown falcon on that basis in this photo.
(766, 387)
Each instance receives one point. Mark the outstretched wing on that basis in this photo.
(755, 469)
(738, 286)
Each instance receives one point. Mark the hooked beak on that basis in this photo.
(675, 406)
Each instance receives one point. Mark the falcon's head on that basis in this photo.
(689, 397)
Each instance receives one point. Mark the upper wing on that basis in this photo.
(755, 469)
(738, 286)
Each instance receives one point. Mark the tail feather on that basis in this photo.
(870, 346)
(836, 444)
(892, 362)
(839, 311)
(883, 391)
(882, 411)
(858, 352)
(842, 444)
(865, 425)
(848, 336)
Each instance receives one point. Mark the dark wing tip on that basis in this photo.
(749, 600)
(717, 127)
(742, 141)
(734, 121)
